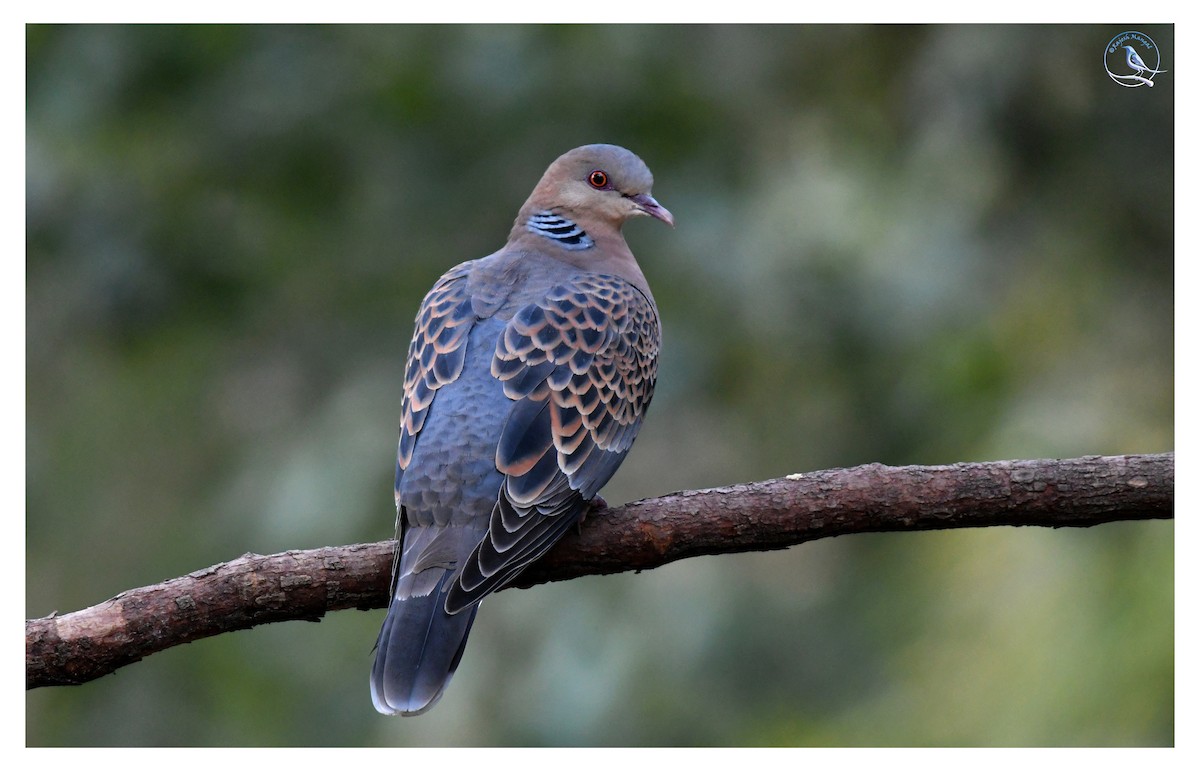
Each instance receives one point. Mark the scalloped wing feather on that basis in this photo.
(435, 356)
(581, 367)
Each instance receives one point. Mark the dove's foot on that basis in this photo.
(595, 504)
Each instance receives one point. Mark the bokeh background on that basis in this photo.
(910, 245)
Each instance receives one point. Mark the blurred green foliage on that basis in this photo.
(895, 244)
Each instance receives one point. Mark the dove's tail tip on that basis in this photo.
(419, 648)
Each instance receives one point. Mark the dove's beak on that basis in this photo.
(648, 205)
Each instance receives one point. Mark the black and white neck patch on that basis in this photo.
(557, 228)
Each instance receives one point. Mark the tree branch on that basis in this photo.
(255, 589)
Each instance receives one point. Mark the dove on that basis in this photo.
(527, 380)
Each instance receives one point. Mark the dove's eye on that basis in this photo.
(598, 179)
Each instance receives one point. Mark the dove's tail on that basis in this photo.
(418, 650)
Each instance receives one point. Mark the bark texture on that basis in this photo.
(304, 585)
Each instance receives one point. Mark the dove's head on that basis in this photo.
(602, 182)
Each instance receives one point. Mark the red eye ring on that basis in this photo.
(598, 179)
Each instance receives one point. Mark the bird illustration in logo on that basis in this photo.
(1136, 64)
